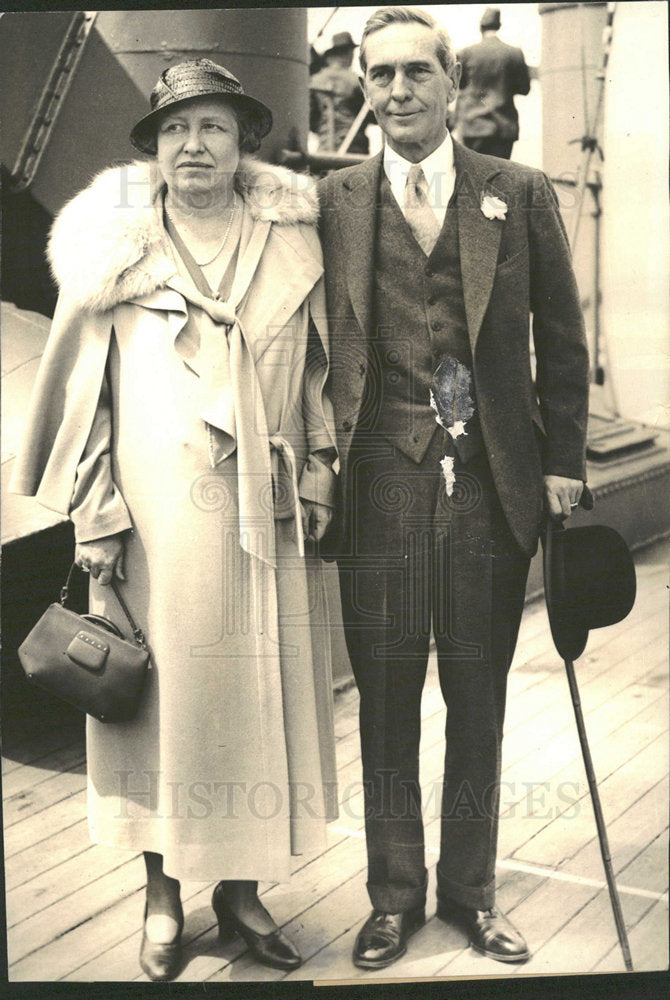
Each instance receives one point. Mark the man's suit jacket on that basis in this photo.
(491, 74)
(510, 267)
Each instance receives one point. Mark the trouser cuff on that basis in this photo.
(397, 898)
(472, 896)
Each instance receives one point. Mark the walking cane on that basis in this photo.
(589, 581)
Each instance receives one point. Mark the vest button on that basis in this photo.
(415, 439)
(430, 271)
(346, 425)
(431, 300)
(437, 326)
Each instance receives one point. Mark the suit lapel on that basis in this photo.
(478, 237)
(357, 222)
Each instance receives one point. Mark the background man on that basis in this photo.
(335, 97)
(430, 277)
(492, 73)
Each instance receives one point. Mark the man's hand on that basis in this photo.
(561, 495)
(102, 558)
(315, 519)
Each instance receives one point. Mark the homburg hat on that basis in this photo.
(589, 582)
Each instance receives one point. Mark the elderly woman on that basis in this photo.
(179, 418)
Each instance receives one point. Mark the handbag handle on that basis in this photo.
(138, 634)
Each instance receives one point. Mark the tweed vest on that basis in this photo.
(419, 318)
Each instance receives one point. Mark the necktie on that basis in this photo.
(417, 211)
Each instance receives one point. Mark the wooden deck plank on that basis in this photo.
(648, 942)
(52, 821)
(27, 776)
(636, 825)
(46, 926)
(557, 814)
(38, 797)
(607, 661)
(75, 909)
(115, 956)
(46, 855)
(431, 951)
(432, 746)
(551, 747)
(292, 905)
(645, 720)
(588, 936)
(32, 742)
(648, 870)
(346, 717)
(537, 663)
(344, 908)
(560, 794)
(333, 961)
(310, 882)
(58, 883)
(82, 940)
(431, 768)
(102, 849)
(605, 672)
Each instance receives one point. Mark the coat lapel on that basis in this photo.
(478, 237)
(357, 225)
(285, 270)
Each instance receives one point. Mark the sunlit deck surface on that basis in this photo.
(74, 910)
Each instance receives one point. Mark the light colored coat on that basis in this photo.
(229, 765)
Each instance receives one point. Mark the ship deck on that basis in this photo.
(74, 909)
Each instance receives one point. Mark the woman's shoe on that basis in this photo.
(161, 962)
(273, 949)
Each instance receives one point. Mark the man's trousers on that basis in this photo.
(416, 559)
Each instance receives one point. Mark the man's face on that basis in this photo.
(408, 89)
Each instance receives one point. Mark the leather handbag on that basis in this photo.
(86, 661)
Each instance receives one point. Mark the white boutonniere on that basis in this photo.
(492, 207)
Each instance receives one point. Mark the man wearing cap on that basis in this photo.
(491, 74)
(335, 98)
(450, 454)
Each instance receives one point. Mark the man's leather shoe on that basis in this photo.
(490, 932)
(383, 937)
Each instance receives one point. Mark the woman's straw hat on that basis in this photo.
(195, 78)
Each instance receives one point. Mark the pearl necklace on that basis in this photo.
(205, 263)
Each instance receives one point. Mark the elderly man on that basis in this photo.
(450, 453)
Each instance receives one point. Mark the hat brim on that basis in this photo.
(143, 135)
(339, 48)
(589, 582)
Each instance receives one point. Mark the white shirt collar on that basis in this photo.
(439, 171)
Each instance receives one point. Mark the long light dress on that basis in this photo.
(229, 766)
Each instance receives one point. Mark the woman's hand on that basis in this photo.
(315, 519)
(102, 558)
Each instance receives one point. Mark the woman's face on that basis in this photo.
(197, 147)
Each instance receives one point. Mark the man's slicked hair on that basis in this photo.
(386, 16)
